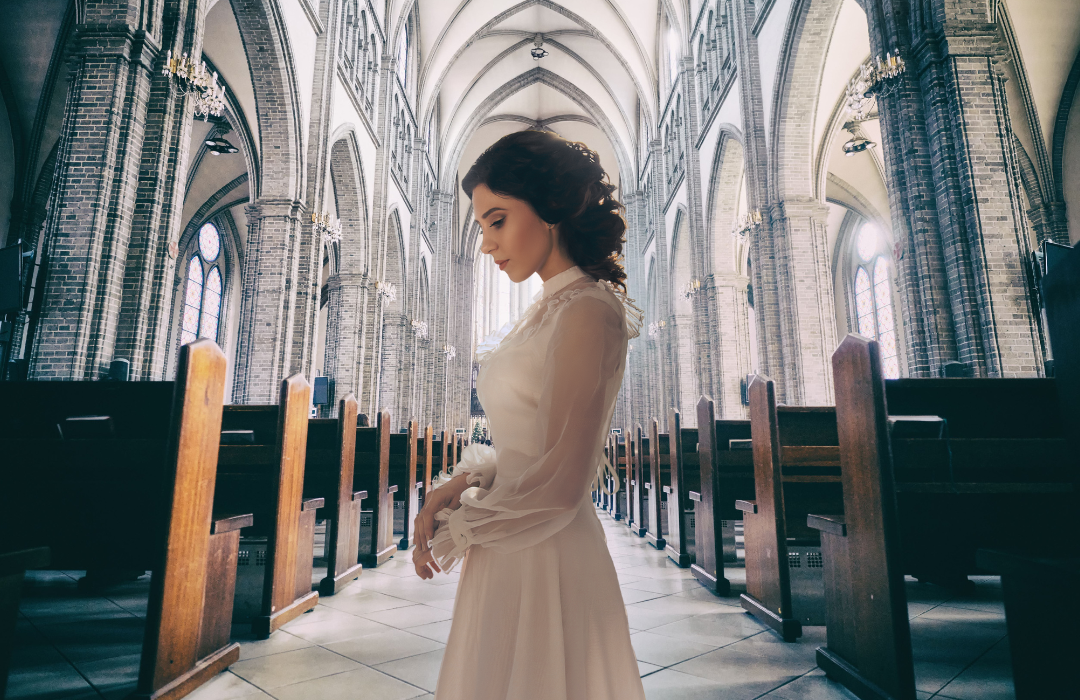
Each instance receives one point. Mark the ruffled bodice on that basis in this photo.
(548, 390)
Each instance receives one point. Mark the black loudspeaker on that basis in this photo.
(11, 261)
(954, 369)
(320, 395)
(119, 370)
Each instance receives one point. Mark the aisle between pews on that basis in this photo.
(382, 636)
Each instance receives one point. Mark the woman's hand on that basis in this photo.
(446, 496)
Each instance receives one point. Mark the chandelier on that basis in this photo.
(538, 50)
(386, 291)
(690, 288)
(450, 351)
(746, 223)
(656, 327)
(194, 79)
(420, 328)
(328, 226)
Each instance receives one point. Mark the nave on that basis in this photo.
(382, 638)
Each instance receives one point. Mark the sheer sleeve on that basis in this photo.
(582, 373)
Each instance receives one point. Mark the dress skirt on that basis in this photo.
(544, 623)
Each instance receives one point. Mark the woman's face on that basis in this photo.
(516, 238)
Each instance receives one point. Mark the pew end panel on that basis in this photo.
(768, 584)
(659, 477)
(372, 474)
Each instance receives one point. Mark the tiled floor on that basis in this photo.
(382, 638)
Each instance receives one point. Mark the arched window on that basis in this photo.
(873, 298)
(202, 295)
(403, 57)
(673, 55)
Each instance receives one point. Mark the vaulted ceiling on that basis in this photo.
(479, 81)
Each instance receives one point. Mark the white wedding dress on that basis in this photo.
(539, 613)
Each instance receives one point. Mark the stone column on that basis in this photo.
(268, 304)
(88, 231)
(146, 308)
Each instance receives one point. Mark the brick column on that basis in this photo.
(89, 229)
(964, 286)
(345, 339)
(268, 304)
(146, 308)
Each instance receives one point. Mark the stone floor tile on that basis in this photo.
(678, 606)
(292, 667)
(665, 651)
(741, 675)
(645, 669)
(439, 631)
(634, 595)
(363, 602)
(384, 646)
(336, 630)
(421, 670)
(278, 642)
(361, 684)
(668, 684)
(227, 686)
(717, 629)
(114, 678)
(411, 616)
(48, 682)
(647, 619)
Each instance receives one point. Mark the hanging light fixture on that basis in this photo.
(538, 50)
(219, 146)
(194, 79)
(857, 143)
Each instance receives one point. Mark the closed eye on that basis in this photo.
(497, 224)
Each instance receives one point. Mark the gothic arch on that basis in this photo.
(277, 97)
(722, 202)
(798, 83)
(347, 174)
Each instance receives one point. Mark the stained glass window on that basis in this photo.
(209, 242)
(873, 300)
(867, 242)
(202, 293)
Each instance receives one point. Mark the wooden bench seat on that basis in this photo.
(910, 508)
(372, 475)
(643, 479)
(403, 477)
(727, 476)
(261, 462)
(331, 459)
(685, 477)
(796, 472)
(129, 486)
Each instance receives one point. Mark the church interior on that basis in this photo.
(242, 297)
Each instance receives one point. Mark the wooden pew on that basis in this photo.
(869, 641)
(439, 451)
(403, 477)
(635, 503)
(13, 564)
(796, 472)
(620, 464)
(643, 470)
(330, 461)
(261, 463)
(425, 453)
(924, 503)
(372, 474)
(1042, 656)
(659, 477)
(128, 473)
(685, 476)
(727, 476)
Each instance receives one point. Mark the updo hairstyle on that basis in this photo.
(565, 185)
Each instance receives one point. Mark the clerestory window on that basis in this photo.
(202, 295)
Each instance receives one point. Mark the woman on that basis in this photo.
(539, 614)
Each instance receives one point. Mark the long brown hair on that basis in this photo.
(565, 185)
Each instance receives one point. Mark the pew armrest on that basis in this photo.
(633, 482)
(359, 495)
(695, 496)
(648, 485)
(313, 503)
(832, 524)
(228, 523)
(666, 489)
(746, 506)
(23, 559)
(740, 444)
(392, 489)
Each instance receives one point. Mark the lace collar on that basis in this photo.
(561, 280)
